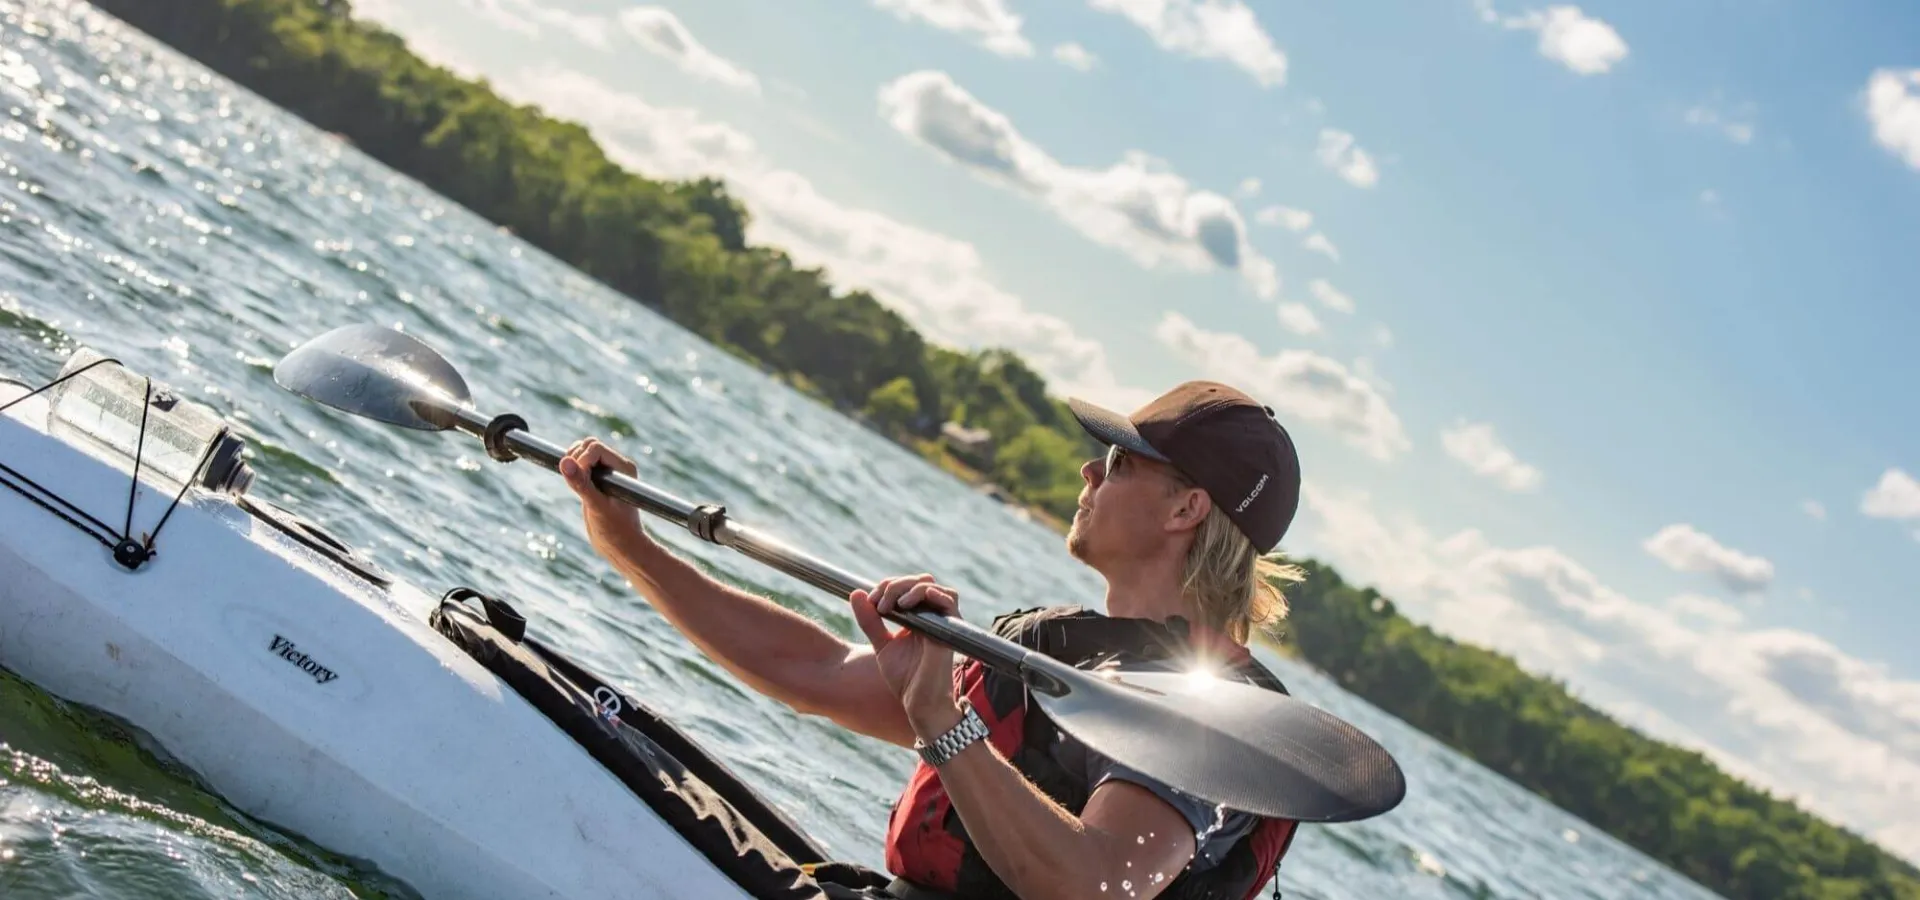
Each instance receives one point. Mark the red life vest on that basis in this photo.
(926, 841)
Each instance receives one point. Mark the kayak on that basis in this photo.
(424, 733)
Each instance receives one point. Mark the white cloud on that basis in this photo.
(661, 32)
(1685, 548)
(530, 19)
(1207, 29)
(1814, 509)
(1583, 44)
(987, 22)
(1074, 56)
(939, 283)
(1893, 108)
(1330, 297)
(1338, 152)
(1476, 446)
(1383, 336)
(1782, 708)
(663, 142)
(426, 39)
(1286, 216)
(1298, 384)
(1897, 496)
(1738, 129)
(1136, 205)
(1299, 318)
(1323, 245)
(1709, 612)
(1249, 188)
(656, 29)
(1364, 368)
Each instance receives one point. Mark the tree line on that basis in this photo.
(1674, 805)
(680, 248)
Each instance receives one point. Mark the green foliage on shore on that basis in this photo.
(1672, 804)
(680, 248)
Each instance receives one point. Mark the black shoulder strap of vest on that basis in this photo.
(1080, 637)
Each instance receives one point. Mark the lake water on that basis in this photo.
(163, 215)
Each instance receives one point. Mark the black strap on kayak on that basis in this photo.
(500, 614)
(135, 554)
(126, 551)
(47, 500)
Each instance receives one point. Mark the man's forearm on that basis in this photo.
(773, 649)
(1038, 848)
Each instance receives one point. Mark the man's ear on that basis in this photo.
(1191, 508)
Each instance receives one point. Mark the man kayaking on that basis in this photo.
(1195, 488)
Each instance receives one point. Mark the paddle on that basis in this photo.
(1226, 742)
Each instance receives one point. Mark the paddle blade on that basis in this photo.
(1231, 743)
(378, 373)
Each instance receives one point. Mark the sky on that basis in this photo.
(1593, 324)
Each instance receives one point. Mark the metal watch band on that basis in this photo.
(957, 738)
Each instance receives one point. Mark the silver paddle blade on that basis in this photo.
(379, 373)
(1244, 747)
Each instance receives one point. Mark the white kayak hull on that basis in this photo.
(311, 698)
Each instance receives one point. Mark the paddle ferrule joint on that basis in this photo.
(495, 437)
(705, 521)
(1033, 671)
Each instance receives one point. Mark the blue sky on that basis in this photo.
(1593, 323)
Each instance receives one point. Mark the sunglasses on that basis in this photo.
(1117, 454)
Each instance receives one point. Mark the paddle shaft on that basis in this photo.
(1038, 671)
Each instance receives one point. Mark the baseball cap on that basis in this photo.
(1227, 443)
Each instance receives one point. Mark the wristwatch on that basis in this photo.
(957, 738)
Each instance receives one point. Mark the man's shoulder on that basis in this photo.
(1020, 625)
(1072, 632)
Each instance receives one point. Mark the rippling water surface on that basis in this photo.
(155, 211)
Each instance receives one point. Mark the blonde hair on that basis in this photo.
(1235, 589)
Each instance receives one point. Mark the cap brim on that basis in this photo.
(1109, 427)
